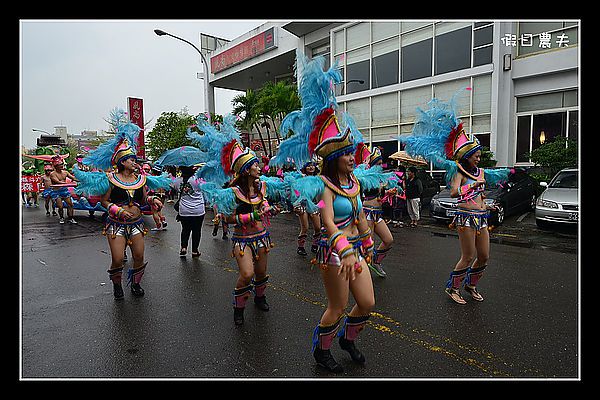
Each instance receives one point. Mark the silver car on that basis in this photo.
(559, 203)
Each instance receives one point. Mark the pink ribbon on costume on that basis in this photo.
(388, 197)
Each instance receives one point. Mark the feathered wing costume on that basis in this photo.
(439, 137)
(107, 156)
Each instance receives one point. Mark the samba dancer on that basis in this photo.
(438, 136)
(124, 193)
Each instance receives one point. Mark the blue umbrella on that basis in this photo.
(184, 156)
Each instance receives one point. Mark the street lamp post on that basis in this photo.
(208, 100)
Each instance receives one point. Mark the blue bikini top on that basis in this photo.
(346, 203)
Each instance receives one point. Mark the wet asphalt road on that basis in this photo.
(71, 327)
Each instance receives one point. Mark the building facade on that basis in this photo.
(522, 77)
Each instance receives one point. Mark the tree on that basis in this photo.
(266, 108)
(553, 156)
(245, 107)
(169, 132)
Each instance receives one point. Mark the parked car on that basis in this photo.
(516, 195)
(430, 187)
(559, 202)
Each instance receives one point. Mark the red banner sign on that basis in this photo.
(246, 50)
(136, 115)
(31, 183)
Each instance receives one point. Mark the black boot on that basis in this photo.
(349, 346)
(115, 276)
(326, 360)
(118, 291)
(301, 251)
(238, 315)
(261, 303)
(137, 290)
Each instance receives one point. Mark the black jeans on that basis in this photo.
(191, 225)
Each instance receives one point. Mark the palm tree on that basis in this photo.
(245, 107)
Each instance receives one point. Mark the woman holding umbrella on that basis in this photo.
(190, 201)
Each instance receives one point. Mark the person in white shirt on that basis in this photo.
(191, 210)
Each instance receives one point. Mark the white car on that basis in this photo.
(559, 203)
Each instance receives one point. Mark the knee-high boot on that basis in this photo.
(322, 340)
(301, 242)
(453, 285)
(240, 296)
(473, 277)
(260, 299)
(315, 242)
(115, 275)
(134, 276)
(349, 333)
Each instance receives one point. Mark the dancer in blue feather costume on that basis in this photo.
(124, 194)
(238, 192)
(346, 244)
(439, 137)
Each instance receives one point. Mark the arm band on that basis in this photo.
(243, 219)
(341, 245)
(114, 210)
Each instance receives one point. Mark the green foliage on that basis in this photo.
(168, 133)
(553, 156)
(487, 158)
(264, 109)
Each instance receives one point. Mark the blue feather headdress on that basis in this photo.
(212, 140)
(317, 94)
(126, 132)
(438, 137)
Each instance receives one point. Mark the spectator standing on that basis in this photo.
(414, 189)
(191, 210)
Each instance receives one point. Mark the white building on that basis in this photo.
(523, 75)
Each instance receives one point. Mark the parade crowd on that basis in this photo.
(323, 172)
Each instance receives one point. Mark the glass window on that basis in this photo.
(444, 91)
(573, 125)
(359, 110)
(410, 100)
(387, 147)
(564, 32)
(358, 35)
(385, 69)
(483, 36)
(358, 73)
(338, 42)
(409, 26)
(452, 50)
(546, 127)
(539, 102)
(483, 23)
(416, 60)
(482, 94)
(484, 139)
(482, 56)
(523, 137)
(538, 27)
(384, 109)
(384, 134)
(570, 98)
(481, 124)
(383, 30)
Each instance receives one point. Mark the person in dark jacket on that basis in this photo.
(414, 189)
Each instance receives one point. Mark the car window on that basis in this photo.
(565, 180)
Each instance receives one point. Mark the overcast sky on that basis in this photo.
(73, 72)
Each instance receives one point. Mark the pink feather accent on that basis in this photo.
(321, 204)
